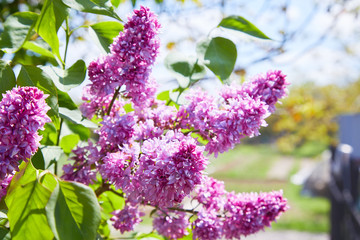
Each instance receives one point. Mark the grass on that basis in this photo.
(245, 169)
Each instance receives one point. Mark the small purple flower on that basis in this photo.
(207, 226)
(248, 213)
(170, 167)
(116, 131)
(4, 185)
(210, 193)
(83, 170)
(172, 225)
(22, 114)
(125, 219)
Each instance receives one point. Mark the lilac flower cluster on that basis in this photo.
(146, 148)
(240, 111)
(169, 169)
(128, 65)
(84, 167)
(172, 227)
(125, 219)
(22, 114)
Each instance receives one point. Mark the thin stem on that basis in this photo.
(59, 132)
(113, 100)
(68, 34)
(103, 188)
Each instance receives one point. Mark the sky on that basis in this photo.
(322, 42)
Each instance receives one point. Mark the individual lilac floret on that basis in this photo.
(83, 170)
(117, 167)
(4, 185)
(210, 193)
(207, 226)
(172, 227)
(116, 131)
(125, 219)
(22, 114)
(248, 213)
(170, 167)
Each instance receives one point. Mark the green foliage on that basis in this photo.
(93, 6)
(17, 29)
(185, 69)
(241, 24)
(8, 76)
(103, 33)
(26, 199)
(73, 211)
(219, 55)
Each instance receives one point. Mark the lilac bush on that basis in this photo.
(143, 152)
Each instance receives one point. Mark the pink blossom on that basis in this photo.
(4, 185)
(170, 167)
(248, 213)
(116, 131)
(207, 226)
(210, 193)
(172, 225)
(125, 219)
(83, 169)
(22, 114)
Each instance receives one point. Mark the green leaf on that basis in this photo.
(76, 117)
(52, 15)
(102, 7)
(33, 76)
(67, 79)
(111, 202)
(133, 2)
(149, 236)
(66, 101)
(116, 3)
(73, 211)
(17, 29)
(26, 200)
(185, 69)
(164, 96)
(53, 158)
(38, 160)
(241, 24)
(104, 33)
(79, 129)
(3, 232)
(68, 142)
(49, 134)
(219, 55)
(7, 78)
(40, 48)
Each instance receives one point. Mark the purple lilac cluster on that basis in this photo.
(248, 213)
(84, 167)
(172, 226)
(146, 154)
(125, 219)
(4, 185)
(239, 112)
(234, 215)
(128, 65)
(169, 169)
(22, 114)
